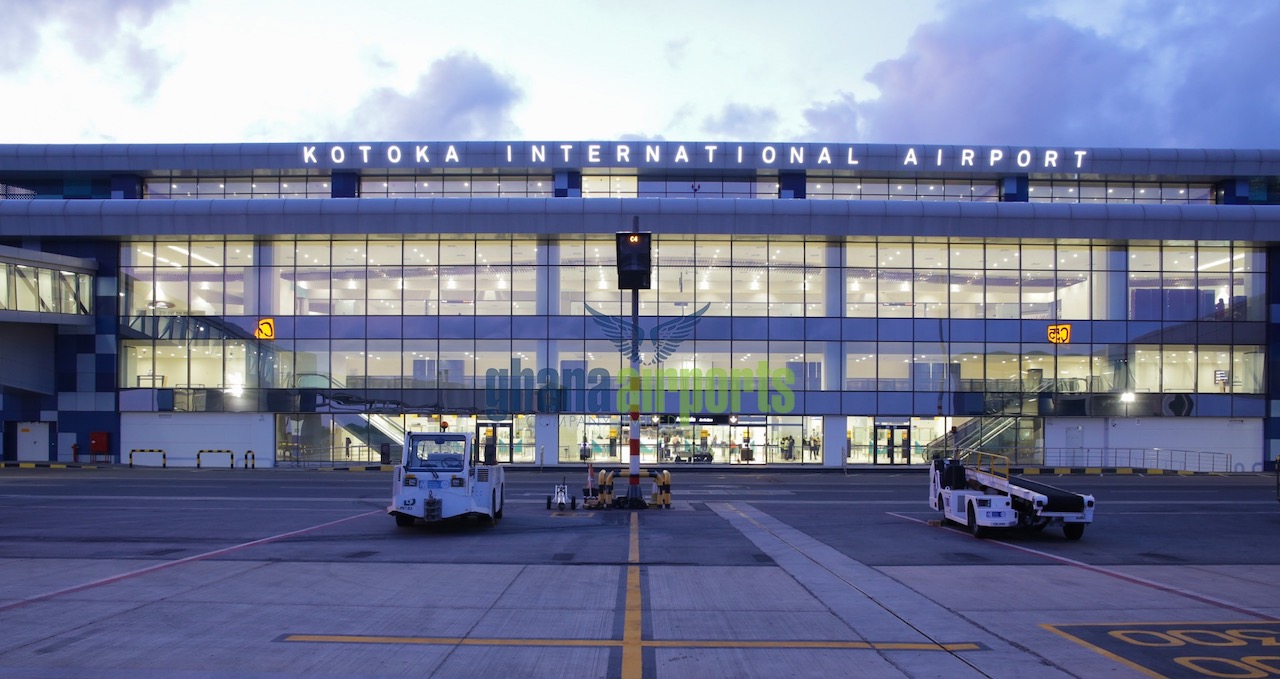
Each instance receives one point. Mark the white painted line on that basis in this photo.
(1202, 598)
(178, 562)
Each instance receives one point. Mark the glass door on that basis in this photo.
(891, 444)
(495, 441)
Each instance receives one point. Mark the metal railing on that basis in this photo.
(292, 455)
(1149, 458)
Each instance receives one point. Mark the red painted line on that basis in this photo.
(178, 562)
(1121, 576)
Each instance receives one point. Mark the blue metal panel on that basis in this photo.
(895, 329)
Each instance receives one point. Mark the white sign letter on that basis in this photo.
(624, 153)
(451, 154)
(1024, 158)
(797, 155)
(337, 155)
(566, 148)
(508, 153)
(852, 160)
(1080, 159)
(420, 154)
(593, 153)
(996, 155)
(768, 154)
(966, 157)
(538, 154)
(824, 156)
(309, 154)
(652, 153)
(1050, 158)
(364, 153)
(393, 154)
(939, 163)
(711, 152)
(682, 156)
(911, 158)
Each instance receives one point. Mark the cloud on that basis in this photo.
(95, 31)
(460, 98)
(1010, 73)
(675, 52)
(741, 122)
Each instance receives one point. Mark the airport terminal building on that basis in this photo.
(820, 305)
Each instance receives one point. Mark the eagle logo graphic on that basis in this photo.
(666, 336)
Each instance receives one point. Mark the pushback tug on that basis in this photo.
(441, 477)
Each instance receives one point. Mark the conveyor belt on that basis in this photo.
(1059, 500)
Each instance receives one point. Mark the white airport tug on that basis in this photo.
(440, 477)
(977, 492)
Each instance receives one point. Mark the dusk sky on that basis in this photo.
(1143, 73)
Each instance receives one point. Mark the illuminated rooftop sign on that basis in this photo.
(699, 155)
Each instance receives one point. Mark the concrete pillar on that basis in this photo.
(548, 260)
(833, 302)
(546, 435)
(834, 432)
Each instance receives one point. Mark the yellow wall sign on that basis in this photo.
(266, 329)
(1060, 334)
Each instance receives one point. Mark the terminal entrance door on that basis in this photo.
(495, 437)
(891, 443)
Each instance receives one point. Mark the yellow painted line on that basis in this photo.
(610, 643)
(1123, 661)
(1030, 470)
(857, 645)
(1061, 471)
(632, 627)
(1093, 470)
(26, 465)
(1124, 470)
(1155, 472)
(445, 641)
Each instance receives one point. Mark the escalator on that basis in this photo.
(372, 429)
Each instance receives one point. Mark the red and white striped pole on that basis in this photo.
(634, 499)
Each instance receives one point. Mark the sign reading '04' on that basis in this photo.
(1060, 334)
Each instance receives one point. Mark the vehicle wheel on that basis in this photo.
(493, 507)
(548, 502)
(974, 528)
(942, 509)
(561, 506)
(573, 503)
(502, 499)
(404, 520)
(1073, 531)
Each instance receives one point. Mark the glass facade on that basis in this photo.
(920, 335)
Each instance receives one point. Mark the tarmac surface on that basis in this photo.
(288, 573)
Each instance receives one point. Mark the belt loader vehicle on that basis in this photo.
(441, 477)
(981, 495)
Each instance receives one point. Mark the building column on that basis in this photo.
(546, 435)
(1271, 423)
(834, 435)
(833, 300)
